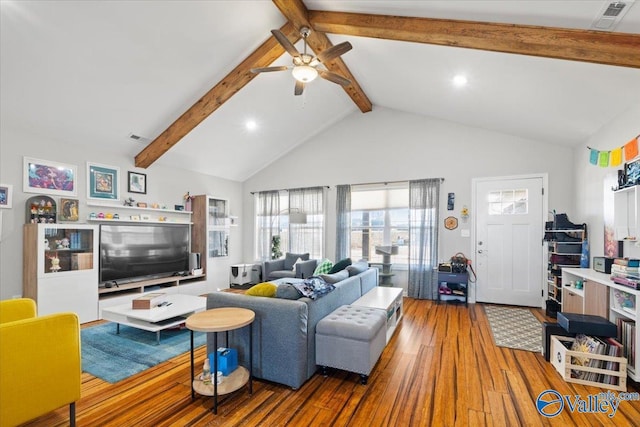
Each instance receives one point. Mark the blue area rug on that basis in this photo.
(114, 357)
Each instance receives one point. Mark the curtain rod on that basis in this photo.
(394, 182)
(289, 189)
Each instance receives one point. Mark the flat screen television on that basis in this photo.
(134, 252)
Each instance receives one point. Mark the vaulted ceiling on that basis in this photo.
(176, 73)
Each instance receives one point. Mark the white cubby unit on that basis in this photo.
(60, 268)
(623, 310)
(626, 207)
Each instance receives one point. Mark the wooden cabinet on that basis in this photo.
(573, 301)
(60, 268)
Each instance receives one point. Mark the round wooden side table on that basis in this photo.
(221, 320)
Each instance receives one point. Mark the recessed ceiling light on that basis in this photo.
(460, 80)
(251, 124)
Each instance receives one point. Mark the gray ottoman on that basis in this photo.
(352, 339)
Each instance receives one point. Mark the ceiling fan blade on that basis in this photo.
(333, 77)
(299, 88)
(286, 44)
(268, 69)
(334, 51)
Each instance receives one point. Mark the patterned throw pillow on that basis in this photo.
(323, 267)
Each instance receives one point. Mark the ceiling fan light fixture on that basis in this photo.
(304, 73)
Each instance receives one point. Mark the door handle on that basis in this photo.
(479, 251)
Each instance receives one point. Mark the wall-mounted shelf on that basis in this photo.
(171, 216)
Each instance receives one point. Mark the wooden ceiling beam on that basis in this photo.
(238, 78)
(296, 12)
(618, 49)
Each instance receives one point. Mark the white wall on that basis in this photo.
(165, 185)
(388, 145)
(590, 193)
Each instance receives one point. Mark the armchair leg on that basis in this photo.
(72, 414)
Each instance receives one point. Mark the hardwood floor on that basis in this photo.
(441, 368)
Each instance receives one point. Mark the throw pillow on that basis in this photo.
(294, 264)
(357, 268)
(313, 287)
(323, 267)
(287, 291)
(335, 277)
(290, 259)
(340, 265)
(265, 289)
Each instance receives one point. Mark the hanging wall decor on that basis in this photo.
(613, 157)
(103, 182)
(44, 176)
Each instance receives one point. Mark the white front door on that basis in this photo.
(509, 225)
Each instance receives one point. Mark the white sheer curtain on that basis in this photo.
(307, 237)
(267, 222)
(343, 221)
(424, 197)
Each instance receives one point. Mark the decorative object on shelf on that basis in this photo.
(44, 176)
(55, 264)
(103, 182)
(137, 182)
(69, 210)
(6, 196)
(187, 201)
(129, 202)
(451, 223)
(141, 205)
(40, 209)
(179, 207)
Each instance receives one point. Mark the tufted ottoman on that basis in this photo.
(352, 339)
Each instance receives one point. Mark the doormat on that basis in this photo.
(113, 357)
(515, 328)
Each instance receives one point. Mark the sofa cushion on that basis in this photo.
(340, 265)
(279, 274)
(357, 268)
(287, 291)
(323, 267)
(265, 289)
(335, 277)
(290, 259)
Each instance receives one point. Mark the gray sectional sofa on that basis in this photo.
(284, 330)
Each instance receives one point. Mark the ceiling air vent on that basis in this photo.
(611, 14)
(138, 138)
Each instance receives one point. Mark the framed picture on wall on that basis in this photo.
(103, 182)
(48, 177)
(69, 209)
(6, 196)
(137, 182)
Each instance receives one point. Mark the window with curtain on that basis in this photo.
(273, 210)
(380, 217)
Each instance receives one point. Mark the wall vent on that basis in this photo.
(611, 14)
(138, 138)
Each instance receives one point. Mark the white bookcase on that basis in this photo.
(60, 268)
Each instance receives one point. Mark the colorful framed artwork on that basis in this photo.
(103, 182)
(69, 210)
(6, 196)
(47, 177)
(137, 182)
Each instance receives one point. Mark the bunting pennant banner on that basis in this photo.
(604, 159)
(614, 157)
(631, 149)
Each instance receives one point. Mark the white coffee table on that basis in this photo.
(158, 318)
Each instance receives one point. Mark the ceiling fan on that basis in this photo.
(305, 66)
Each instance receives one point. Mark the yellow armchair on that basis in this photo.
(40, 362)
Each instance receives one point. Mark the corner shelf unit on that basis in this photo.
(626, 209)
(561, 254)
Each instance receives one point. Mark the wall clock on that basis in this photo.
(451, 223)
